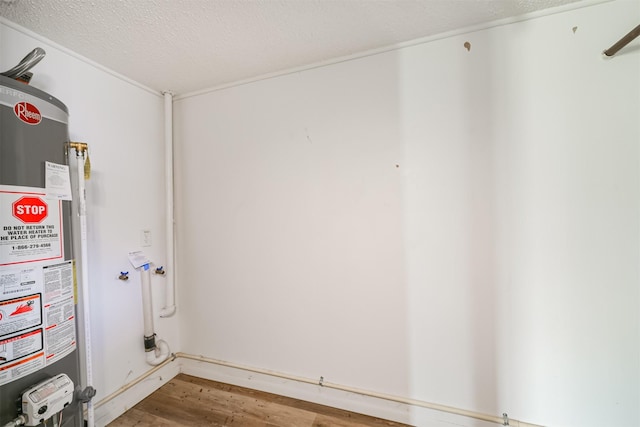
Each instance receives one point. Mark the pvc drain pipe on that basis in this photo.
(156, 352)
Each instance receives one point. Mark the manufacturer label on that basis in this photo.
(28, 113)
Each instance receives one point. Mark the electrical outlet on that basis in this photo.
(145, 238)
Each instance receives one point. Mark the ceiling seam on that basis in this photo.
(398, 46)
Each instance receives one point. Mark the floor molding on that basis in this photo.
(129, 395)
(312, 392)
(398, 409)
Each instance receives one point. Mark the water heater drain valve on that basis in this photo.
(46, 399)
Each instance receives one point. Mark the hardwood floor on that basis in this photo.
(191, 401)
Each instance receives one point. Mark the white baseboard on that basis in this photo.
(376, 407)
(373, 406)
(122, 402)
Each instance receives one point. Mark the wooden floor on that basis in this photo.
(192, 401)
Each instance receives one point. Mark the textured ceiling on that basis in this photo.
(190, 45)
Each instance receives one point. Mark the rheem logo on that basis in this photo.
(28, 113)
(30, 210)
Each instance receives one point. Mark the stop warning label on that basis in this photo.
(30, 209)
(30, 226)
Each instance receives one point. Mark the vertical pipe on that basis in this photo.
(170, 307)
(84, 268)
(147, 312)
(156, 352)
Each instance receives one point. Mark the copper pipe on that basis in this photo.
(623, 41)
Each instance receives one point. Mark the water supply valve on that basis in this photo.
(124, 275)
(47, 398)
(160, 270)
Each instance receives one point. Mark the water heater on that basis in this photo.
(38, 287)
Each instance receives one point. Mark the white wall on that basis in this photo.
(123, 125)
(454, 226)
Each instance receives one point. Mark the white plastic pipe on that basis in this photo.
(170, 306)
(160, 352)
(84, 268)
(147, 309)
